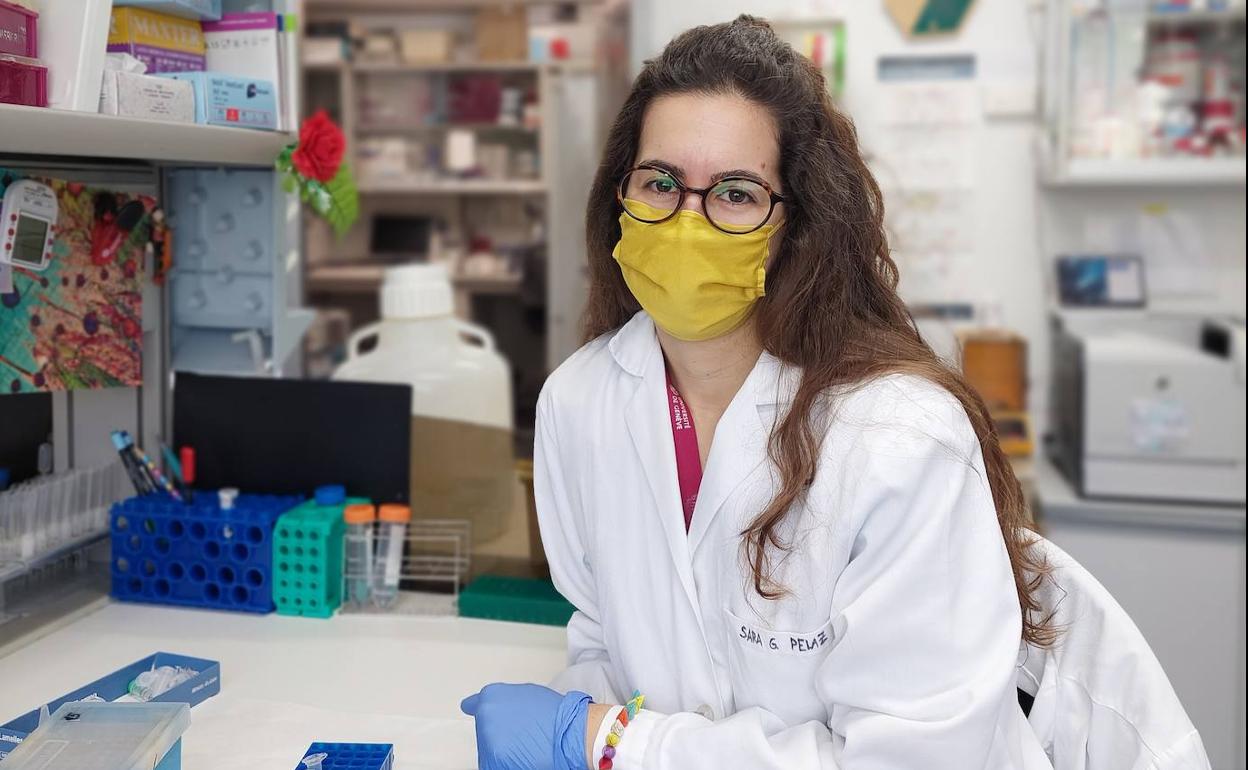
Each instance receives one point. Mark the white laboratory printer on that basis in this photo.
(1144, 485)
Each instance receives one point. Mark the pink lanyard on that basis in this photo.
(688, 461)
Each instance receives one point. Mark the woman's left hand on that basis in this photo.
(528, 727)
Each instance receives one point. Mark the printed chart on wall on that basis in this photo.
(924, 155)
(74, 321)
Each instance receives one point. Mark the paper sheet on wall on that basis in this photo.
(929, 103)
(932, 239)
(925, 159)
(1177, 263)
(923, 152)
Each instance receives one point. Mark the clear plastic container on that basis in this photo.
(103, 736)
(390, 543)
(358, 550)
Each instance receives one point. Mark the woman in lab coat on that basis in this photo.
(779, 517)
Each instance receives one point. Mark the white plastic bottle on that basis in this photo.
(462, 459)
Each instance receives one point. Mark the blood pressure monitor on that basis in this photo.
(26, 223)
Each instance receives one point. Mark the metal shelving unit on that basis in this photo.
(1104, 51)
(533, 218)
(453, 187)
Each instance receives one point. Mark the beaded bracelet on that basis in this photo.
(617, 729)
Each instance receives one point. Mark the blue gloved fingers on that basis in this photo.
(528, 727)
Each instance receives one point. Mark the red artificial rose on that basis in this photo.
(320, 149)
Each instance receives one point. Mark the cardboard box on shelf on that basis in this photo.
(133, 95)
(425, 46)
(254, 45)
(227, 100)
(502, 34)
(164, 43)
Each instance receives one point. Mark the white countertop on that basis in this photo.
(286, 681)
(1059, 501)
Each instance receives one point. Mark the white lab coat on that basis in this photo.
(1102, 701)
(898, 643)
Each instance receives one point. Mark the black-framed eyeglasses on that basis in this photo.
(736, 205)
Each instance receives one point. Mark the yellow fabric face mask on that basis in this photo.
(695, 281)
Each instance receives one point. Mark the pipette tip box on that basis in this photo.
(194, 691)
(352, 756)
(106, 735)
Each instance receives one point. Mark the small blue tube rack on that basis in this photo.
(196, 554)
(352, 756)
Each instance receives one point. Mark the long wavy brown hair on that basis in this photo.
(831, 306)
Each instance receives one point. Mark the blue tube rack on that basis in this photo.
(196, 555)
(352, 756)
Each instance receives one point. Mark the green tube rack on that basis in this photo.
(307, 559)
(519, 600)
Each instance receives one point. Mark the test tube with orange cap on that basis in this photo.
(394, 520)
(358, 542)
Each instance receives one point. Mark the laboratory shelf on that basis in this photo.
(1152, 172)
(428, 128)
(364, 67)
(44, 131)
(357, 6)
(366, 278)
(452, 187)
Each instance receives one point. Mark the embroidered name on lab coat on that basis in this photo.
(783, 641)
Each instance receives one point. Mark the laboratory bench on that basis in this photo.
(289, 681)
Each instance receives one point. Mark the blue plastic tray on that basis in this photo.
(114, 685)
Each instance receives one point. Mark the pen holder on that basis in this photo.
(196, 554)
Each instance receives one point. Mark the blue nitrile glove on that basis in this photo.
(528, 727)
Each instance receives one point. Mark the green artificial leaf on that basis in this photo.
(346, 200)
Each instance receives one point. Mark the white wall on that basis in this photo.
(1017, 226)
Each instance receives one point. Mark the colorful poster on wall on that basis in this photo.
(78, 323)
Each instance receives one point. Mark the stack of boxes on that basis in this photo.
(23, 78)
(199, 65)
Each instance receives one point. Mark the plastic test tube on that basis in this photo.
(313, 761)
(359, 551)
(392, 538)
